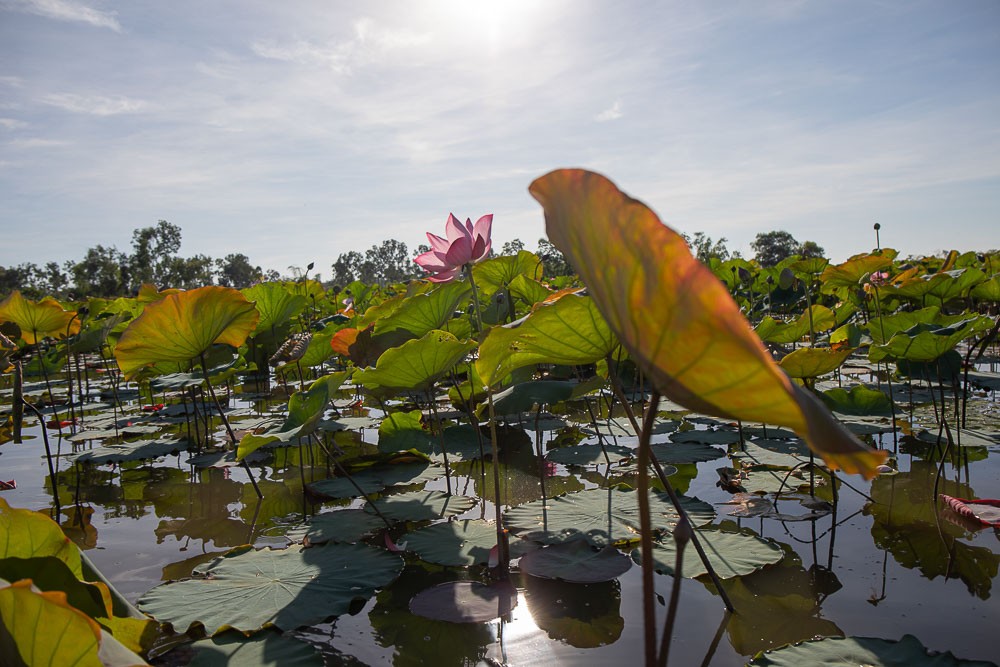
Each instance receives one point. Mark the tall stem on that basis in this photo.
(646, 535)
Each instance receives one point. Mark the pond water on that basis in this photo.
(883, 562)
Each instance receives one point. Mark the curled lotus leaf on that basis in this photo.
(416, 364)
(677, 321)
(568, 331)
(181, 326)
(812, 362)
(850, 273)
(38, 319)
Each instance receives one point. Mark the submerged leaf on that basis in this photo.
(677, 320)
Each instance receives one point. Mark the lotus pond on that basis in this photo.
(483, 470)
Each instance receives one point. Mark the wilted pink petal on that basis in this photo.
(8, 486)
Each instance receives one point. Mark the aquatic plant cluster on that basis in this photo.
(346, 427)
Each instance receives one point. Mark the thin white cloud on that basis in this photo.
(65, 10)
(95, 105)
(37, 143)
(614, 112)
(12, 123)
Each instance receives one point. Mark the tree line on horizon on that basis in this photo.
(106, 271)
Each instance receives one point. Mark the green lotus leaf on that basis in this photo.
(575, 561)
(276, 304)
(941, 287)
(525, 396)
(26, 534)
(132, 451)
(883, 328)
(732, 554)
(588, 455)
(601, 516)
(528, 290)
(182, 326)
(38, 319)
(28, 618)
(400, 431)
(500, 271)
(680, 324)
(421, 506)
(347, 526)
(426, 312)
(459, 543)
(927, 342)
(850, 273)
(988, 291)
(810, 265)
(621, 427)
(305, 408)
(773, 331)
(812, 362)
(854, 651)
(266, 649)
(416, 364)
(248, 590)
(569, 331)
(946, 368)
(376, 479)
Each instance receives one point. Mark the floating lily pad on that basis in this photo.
(267, 649)
(732, 554)
(965, 437)
(421, 506)
(465, 601)
(248, 590)
(719, 437)
(854, 651)
(685, 452)
(344, 526)
(575, 561)
(375, 479)
(601, 516)
(588, 455)
(223, 459)
(768, 432)
(348, 423)
(131, 451)
(620, 427)
(459, 543)
(772, 453)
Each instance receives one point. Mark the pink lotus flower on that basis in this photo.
(465, 244)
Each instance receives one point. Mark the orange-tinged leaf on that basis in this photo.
(342, 341)
(181, 326)
(677, 320)
(38, 319)
(854, 269)
(45, 629)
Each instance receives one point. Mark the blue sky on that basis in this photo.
(294, 131)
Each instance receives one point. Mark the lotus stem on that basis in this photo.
(682, 533)
(229, 428)
(48, 454)
(17, 409)
(646, 534)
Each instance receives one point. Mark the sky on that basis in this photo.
(295, 131)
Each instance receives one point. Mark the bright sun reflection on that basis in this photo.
(520, 640)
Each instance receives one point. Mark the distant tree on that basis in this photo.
(236, 271)
(154, 254)
(512, 247)
(421, 249)
(186, 273)
(553, 262)
(704, 248)
(23, 277)
(52, 280)
(388, 263)
(347, 267)
(101, 272)
(811, 249)
(772, 247)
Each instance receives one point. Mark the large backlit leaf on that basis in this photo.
(29, 618)
(812, 362)
(275, 303)
(425, 312)
(182, 326)
(286, 588)
(850, 273)
(773, 331)
(38, 319)
(927, 342)
(569, 331)
(26, 534)
(677, 320)
(416, 364)
(499, 271)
